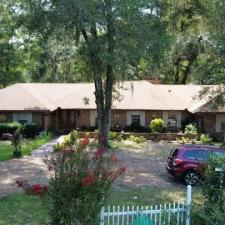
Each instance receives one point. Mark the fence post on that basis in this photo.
(188, 205)
(102, 216)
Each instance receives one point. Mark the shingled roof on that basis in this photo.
(129, 95)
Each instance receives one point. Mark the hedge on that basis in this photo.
(9, 127)
(30, 130)
(27, 130)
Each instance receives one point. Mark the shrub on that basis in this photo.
(121, 136)
(35, 189)
(113, 135)
(2, 118)
(205, 138)
(30, 130)
(68, 141)
(135, 128)
(16, 143)
(183, 140)
(156, 125)
(191, 128)
(9, 127)
(81, 176)
(137, 140)
(212, 210)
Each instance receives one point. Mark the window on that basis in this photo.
(217, 153)
(191, 154)
(172, 121)
(174, 152)
(136, 120)
(222, 126)
(201, 155)
(22, 117)
(22, 121)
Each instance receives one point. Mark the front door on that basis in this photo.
(67, 119)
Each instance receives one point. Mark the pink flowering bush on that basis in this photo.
(35, 189)
(81, 176)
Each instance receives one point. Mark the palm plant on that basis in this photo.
(16, 143)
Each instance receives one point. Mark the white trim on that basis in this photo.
(177, 115)
(140, 113)
(219, 119)
(17, 116)
(93, 116)
(165, 118)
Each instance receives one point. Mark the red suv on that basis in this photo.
(188, 161)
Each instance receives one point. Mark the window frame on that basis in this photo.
(138, 118)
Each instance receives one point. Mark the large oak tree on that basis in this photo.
(110, 34)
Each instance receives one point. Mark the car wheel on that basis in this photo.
(190, 178)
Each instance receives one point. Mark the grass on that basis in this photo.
(21, 209)
(27, 147)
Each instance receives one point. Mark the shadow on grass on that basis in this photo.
(23, 209)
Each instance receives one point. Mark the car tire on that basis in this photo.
(190, 178)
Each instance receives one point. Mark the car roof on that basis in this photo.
(200, 146)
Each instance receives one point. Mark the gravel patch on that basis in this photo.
(145, 167)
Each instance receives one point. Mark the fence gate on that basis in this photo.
(163, 214)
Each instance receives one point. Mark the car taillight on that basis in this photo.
(176, 162)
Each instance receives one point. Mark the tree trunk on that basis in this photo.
(176, 75)
(103, 91)
(186, 74)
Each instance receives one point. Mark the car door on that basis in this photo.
(193, 160)
(202, 158)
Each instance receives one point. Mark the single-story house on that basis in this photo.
(64, 106)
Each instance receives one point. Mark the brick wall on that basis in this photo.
(83, 119)
(7, 115)
(209, 123)
(48, 122)
(37, 118)
(119, 117)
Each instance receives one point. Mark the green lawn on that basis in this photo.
(21, 209)
(27, 147)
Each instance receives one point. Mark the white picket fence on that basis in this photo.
(166, 214)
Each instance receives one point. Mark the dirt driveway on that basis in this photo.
(145, 167)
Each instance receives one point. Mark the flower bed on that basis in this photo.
(148, 136)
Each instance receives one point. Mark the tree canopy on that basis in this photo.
(103, 41)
